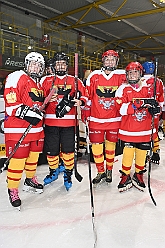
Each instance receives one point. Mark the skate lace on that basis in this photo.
(140, 177)
(123, 179)
(98, 176)
(34, 180)
(109, 174)
(14, 194)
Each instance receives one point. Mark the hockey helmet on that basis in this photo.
(39, 59)
(148, 67)
(134, 66)
(49, 66)
(107, 65)
(61, 56)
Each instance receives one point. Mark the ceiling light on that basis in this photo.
(10, 28)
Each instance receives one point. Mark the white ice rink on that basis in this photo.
(61, 219)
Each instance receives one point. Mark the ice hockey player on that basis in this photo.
(23, 97)
(102, 114)
(137, 109)
(60, 119)
(149, 68)
(50, 70)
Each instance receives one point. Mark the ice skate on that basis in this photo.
(137, 180)
(108, 176)
(100, 178)
(68, 179)
(125, 183)
(53, 175)
(14, 198)
(31, 184)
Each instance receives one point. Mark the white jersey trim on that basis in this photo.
(116, 119)
(141, 133)
(22, 130)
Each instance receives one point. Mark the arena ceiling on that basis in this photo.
(131, 25)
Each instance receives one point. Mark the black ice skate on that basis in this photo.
(108, 176)
(125, 183)
(31, 184)
(155, 158)
(137, 180)
(14, 198)
(101, 177)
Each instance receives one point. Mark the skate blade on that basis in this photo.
(96, 185)
(125, 188)
(32, 190)
(17, 208)
(138, 187)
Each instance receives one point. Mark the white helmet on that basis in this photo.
(37, 57)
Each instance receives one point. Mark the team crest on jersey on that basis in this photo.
(36, 95)
(11, 97)
(106, 104)
(106, 91)
(140, 115)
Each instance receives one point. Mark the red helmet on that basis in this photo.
(134, 66)
(110, 52)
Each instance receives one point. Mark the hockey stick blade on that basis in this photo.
(78, 176)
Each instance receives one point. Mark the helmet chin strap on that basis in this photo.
(134, 83)
(108, 68)
(60, 73)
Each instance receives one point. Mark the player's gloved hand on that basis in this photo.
(154, 110)
(31, 115)
(85, 113)
(137, 104)
(64, 106)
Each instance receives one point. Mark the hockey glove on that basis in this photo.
(64, 106)
(154, 110)
(85, 114)
(150, 102)
(31, 115)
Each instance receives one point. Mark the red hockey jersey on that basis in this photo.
(65, 85)
(159, 88)
(136, 123)
(101, 89)
(21, 89)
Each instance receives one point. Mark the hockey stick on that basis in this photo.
(152, 142)
(90, 184)
(77, 175)
(41, 108)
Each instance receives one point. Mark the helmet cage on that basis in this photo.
(36, 57)
(136, 66)
(61, 57)
(110, 53)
